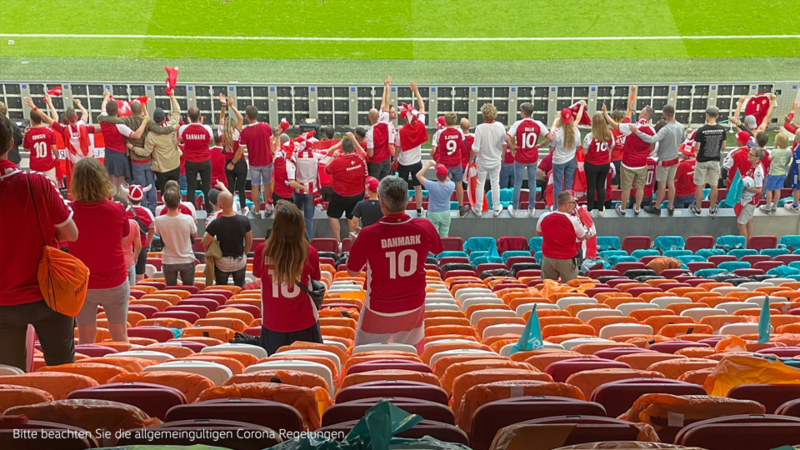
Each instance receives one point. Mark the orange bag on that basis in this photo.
(290, 377)
(696, 376)
(479, 395)
(131, 364)
(88, 414)
(11, 396)
(589, 380)
(63, 278)
(308, 402)
(389, 374)
(191, 384)
(235, 366)
(663, 263)
(299, 345)
(677, 367)
(96, 371)
(464, 382)
(541, 361)
(641, 361)
(443, 363)
(457, 369)
(692, 407)
(58, 384)
(736, 370)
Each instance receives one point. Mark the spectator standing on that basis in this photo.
(469, 139)
(235, 237)
(523, 139)
(751, 125)
(256, 137)
(144, 218)
(408, 145)
(13, 154)
(507, 169)
(565, 138)
(560, 230)
(284, 262)
(597, 163)
(543, 173)
(669, 138)
(197, 139)
(177, 231)
(794, 206)
(450, 144)
(283, 170)
(380, 136)
(634, 158)
(40, 142)
(213, 198)
(185, 208)
(753, 184)
(393, 252)
(348, 175)
(21, 301)
(684, 178)
(104, 225)
(619, 138)
(487, 152)
(737, 159)
(218, 163)
(163, 147)
(141, 159)
(75, 134)
(235, 165)
(439, 194)
(131, 244)
(780, 161)
(114, 132)
(369, 211)
(710, 140)
(306, 179)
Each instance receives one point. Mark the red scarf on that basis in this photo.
(7, 167)
(590, 249)
(85, 143)
(413, 135)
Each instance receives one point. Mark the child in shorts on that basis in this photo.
(780, 161)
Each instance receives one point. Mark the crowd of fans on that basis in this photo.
(112, 214)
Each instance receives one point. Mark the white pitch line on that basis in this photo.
(400, 39)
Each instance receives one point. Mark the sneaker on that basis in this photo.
(531, 212)
(619, 210)
(671, 211)
(593, 213)
(497, 212)
(511, 210)
(765, 209)
(477, 211)
(693, 208)
(636, 211)
(419, 213)
(792, 207)
(774, 209)
(601, 212)
(652, 210)
(713, 211)
(463, 211)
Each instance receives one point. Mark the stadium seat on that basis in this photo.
(631, 243)
(759, 243)
(618, 396)
(153, 399)
(266, 413)
(354, 410)
(227, 433)
(696, 243)
(741, 432)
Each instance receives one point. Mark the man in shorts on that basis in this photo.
(710, 140)
(256, 138)
(753, 181)
(408, 145)
(348, 173)
(450, 145)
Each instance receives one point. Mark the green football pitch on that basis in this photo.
(434, 41)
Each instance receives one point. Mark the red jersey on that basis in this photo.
(450, 147)
(146, 217)
(526, 133)
(218, 163)
(684, 178)
(326, 144)
(183, 209)
(508, 157)
(378, 139)
(649, 180)
(103, 225)
(348, 174)
(286, 308)
(114, 136)
(737, 161)
(394, 250)
(230, 152)
(561, 232)
(635, 151)
(22, 247)
(257, 138)
(196, 139)
(39, 141)
(598, 153)
(468, 140)
(283, 171)
(619, 142)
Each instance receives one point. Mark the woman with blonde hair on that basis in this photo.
(103, 225)
(597, 163)
(286, 265)
(565, 139)
(235, 164)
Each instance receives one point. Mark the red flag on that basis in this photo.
(123, 107)
(284, 125)
(172, 79)
(585, 119)
(56, 91)
(142, 100)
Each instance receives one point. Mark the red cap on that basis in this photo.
(372, 184)
(743, 137)
(687, 150)
(566, 115)
(135, 192)
(440, 122)
(441, 171)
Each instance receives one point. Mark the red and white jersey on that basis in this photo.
(306, 163)
(468, 140)
(348, 174)
(114, 135)
(197, 139)
(145, 216)
(79, 142)
(635, 150)
(737, 160)
(283, 171)
(393, 253)
(184, 208)
(560, 232)
(449, 147)
(526, 133)
(650, 180)
(230, 152)
(684, 178)
(757, 174)
(39, 141)
(619, 142)
(598, 153)
(378, 138)
(409, 140)
(757, 106)
(257, 137)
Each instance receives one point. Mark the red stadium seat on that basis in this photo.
(459, 273)
(400, 388)
(618, 396)
(741, 432)
(768, 265)
(748, 272)
(325, 245)
(201, 311)
(672, 273)
(453, 244)
(626, 266)
(772, 396)
(93, 351)
(160, 334)
(700, 265)
(437, 430)
(674, 346)
(592, 428)
(154, 399)
(695, 243)
(786, 259)
(147, 310)
(189, 289)
(520, 259)
(631, 243)
(719, 259)
(188, 316)
(753, 259)
(278, 416)
(221, 433)
(389, 364)
(595, 274)
(761, 242)
(561, 370)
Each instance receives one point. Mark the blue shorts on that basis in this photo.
(456, 174)
(774, 182)
(261, 175)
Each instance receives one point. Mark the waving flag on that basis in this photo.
(763, 322)
(172, 79)
(531, 338)
(56, 91)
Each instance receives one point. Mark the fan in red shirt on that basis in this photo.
(283, 171)
(144, 218)
(619, 138)
(196, 139)
(257, 138)
(561, 231)
(40, 141)
(449, 149)
(380, 137)
(684, 178)
(218, 163)
(114, 131)
(649, 185)
(597, 164)
(469, 139)
(348, 177)
(393, 253)
(737, 160)
(523, 139)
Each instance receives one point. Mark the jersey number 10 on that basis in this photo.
(403, 264)
(41, 149)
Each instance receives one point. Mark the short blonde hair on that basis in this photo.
(781, 140)
(489, 112)
(450, 118)
(90, 181)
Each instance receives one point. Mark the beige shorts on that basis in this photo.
(666, 173)
(746, 214)
(628, 177)
(706, 173)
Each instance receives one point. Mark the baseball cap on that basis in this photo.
(566, 115)
(743, 137)
(440, 122)
(750, 121)
(213, 196)
(441, 171)
(372, 184)
(135, 193)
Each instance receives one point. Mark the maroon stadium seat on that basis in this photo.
(406, 389)
(674, 346)
(453, 260)
(761, 242)
(592, 428)
(664, 287)
(626, 266)
(488, 266)
(753, 259)
(594, 274)
(700, 265)
(613, 353)
(94, 351)
(160, 334)
(790, 408)
(529, 273)
(718, 259)
(155, 262)
(501, 286)
(631, 243)
(741, 432)
(201, 311)
(770, 395)
(459, 273)
(767, 265)
(211, 290)
(561, 370)
(748, 272)
(254, 310)
(266, 413)
(637, 291)
(210, 305)
(352, 411)
(672, 273)
(325, 244)
(189, 289)
(147, 310)
(453, 244)
(520, 259)
(385, 364)
(618, 396)
(153, 399)
(183, 315)
(786, 259)
(695, 243)
(223, 433)
(156, 284)
(600, 290)
(218, 298)
(74, 438)
(136, 293)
